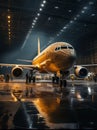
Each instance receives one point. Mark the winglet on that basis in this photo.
(38, 46)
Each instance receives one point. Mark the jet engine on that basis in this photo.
(17, 71)
(80, 71)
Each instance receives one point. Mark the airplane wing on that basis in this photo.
(19, 65)
(86, 65)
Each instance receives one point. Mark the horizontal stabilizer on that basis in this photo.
(25, 60)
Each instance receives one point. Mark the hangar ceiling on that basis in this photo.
(23, 21)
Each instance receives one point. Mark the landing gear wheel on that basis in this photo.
(34, 79)
(64, 83)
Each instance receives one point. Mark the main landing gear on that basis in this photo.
(62, 80)
(63, 83)
(63, 75)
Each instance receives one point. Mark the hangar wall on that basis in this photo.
(88, 55)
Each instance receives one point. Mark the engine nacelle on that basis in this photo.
(17, 71)
(80, 71)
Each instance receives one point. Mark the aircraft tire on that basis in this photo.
(64, 83)
(34, 79)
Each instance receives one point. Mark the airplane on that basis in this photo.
(58, 58)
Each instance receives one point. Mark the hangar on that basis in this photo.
(71, 21)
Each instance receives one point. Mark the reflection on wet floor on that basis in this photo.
(44, 106)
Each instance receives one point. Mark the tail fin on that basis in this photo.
(38, 46)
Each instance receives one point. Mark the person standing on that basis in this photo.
(27, 77)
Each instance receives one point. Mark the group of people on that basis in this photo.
(30, 77)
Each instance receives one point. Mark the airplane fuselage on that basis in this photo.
(57, 56)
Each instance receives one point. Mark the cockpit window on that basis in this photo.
(70, 47)
(63, 47)
(57, 48)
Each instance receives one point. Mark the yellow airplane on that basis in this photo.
(57, 58)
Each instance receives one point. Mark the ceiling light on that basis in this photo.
(36, 18)
(78, 15)
(71, 21)
(75, 18)
(62, 30)
(33, 23)
(56, 7)
(40, 9)
(91, 3)
(42, 5)
(38, 14)
(8, 25)
(32, 26)
(85, 7)
(8, 21)
(69, 11)
(92, 14)
(8, 16)
(49, 18)
(65, 27)
(44, 1)
(83, 11)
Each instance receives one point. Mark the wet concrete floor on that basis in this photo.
(42, 105)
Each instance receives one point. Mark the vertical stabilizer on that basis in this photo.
(38, 46)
